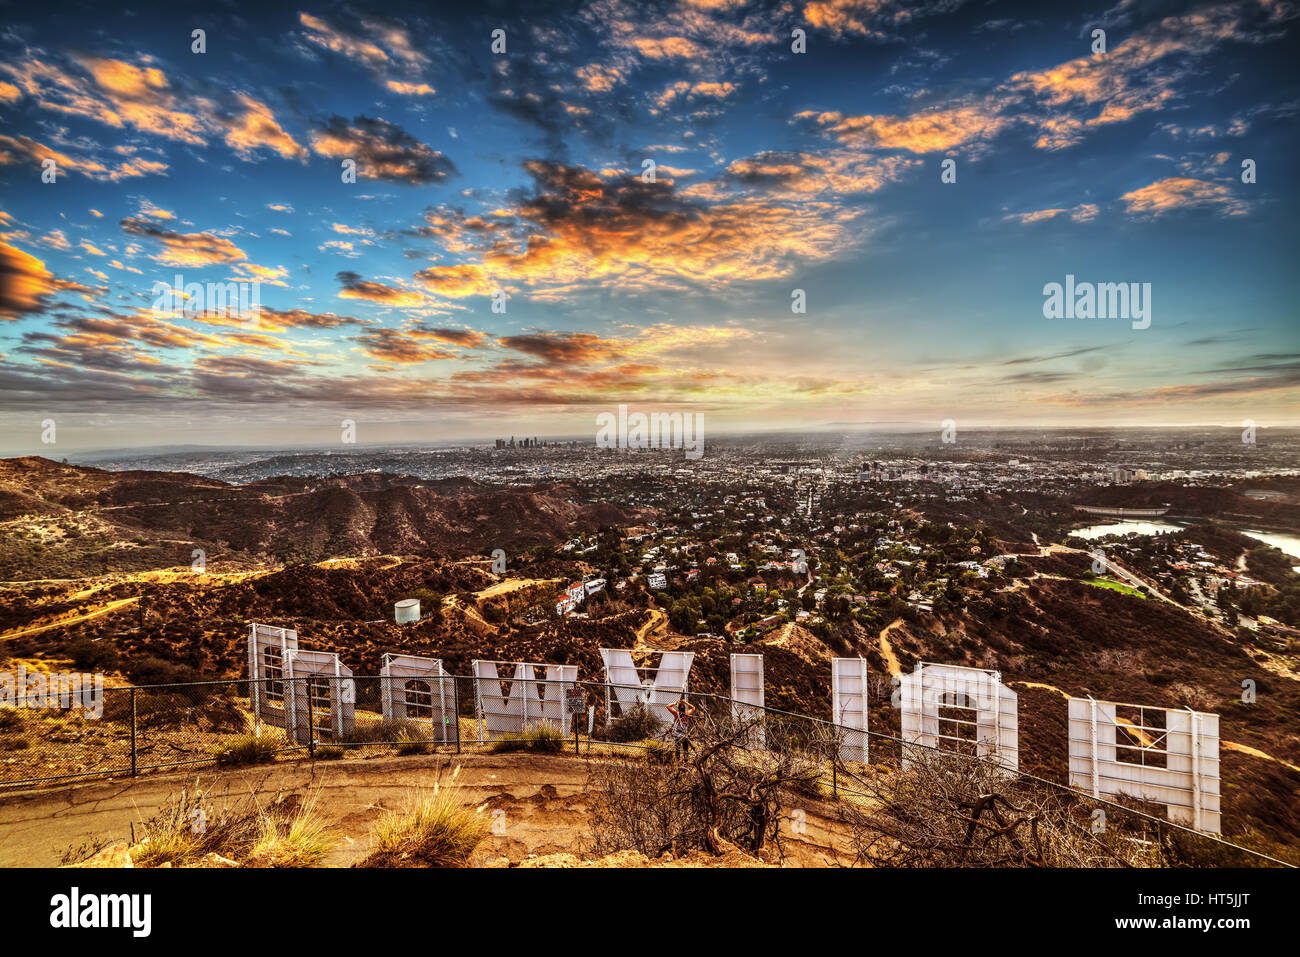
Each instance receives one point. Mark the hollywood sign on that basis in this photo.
(1165, 756)
(307, 693)
(532, 696)
(413, 688)
(968, 710)
(665, 683)
(747, 694)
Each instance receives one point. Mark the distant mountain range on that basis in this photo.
(65, 520)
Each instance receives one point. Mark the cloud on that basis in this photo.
(466, 338)
(577, 225)
(116, 93)
(355, 287)
(1143, 72)
(410, 89)
(684, 89)
(801, 173)
(875, 19)
(382, 150)
(667, 48)
(139, 96)
(374, 42)
(25, 283)
(394, 345)
(1176, 193)
(185, 249)
(271, 318)
(600, 78)
(936, 129)
(26, 151)
(457, 281)
(1061, 103)
(1082, 213)
(567, 347)
(255, 128)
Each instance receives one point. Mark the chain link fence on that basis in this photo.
(324, 717)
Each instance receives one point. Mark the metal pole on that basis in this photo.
(1092, 723)
(311, 722)
(455, 696)
(1195, 728)
(133, 726)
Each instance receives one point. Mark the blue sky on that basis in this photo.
(521, 171)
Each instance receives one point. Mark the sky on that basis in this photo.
(628, 204)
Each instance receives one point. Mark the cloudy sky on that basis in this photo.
(525, 171)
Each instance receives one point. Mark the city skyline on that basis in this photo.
(776, 173)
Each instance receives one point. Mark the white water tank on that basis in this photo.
(407, 610)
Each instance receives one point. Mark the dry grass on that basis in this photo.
(249, 749)
(302, 840)
(541, 738)
(433, 829)
(411, 744)
(283, 833)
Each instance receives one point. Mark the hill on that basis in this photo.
(66, 521)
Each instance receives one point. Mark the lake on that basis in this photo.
(1287, 542)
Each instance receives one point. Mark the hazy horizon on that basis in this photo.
(64, 450)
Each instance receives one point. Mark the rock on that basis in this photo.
(115, 855)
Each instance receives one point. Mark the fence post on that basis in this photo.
(455, 696)
(133, 724)
(311, 722)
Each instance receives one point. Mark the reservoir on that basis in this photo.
(1287, 542)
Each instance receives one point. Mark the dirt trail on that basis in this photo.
(658, 619)
(1039, 684)
(514, 584)
(1143, 738)
(102, 610)
(1256, 753)
(892, 663)
(543, 799)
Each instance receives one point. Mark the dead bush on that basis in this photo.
(725, 791)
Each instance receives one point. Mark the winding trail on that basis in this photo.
(112, 606)
(892, 664)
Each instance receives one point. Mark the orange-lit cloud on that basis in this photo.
(254, 128)
(932, 130)
(185, 249)
(24, 282)
(382, 150)
(457, 281)
(1179, 192)
(355, 287)
(578, 226)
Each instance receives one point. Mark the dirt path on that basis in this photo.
(514, 584)
(1039, 684)
(887, 650)
(103, 610)
(542, 799)
(1256, 753)
(658, 619)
